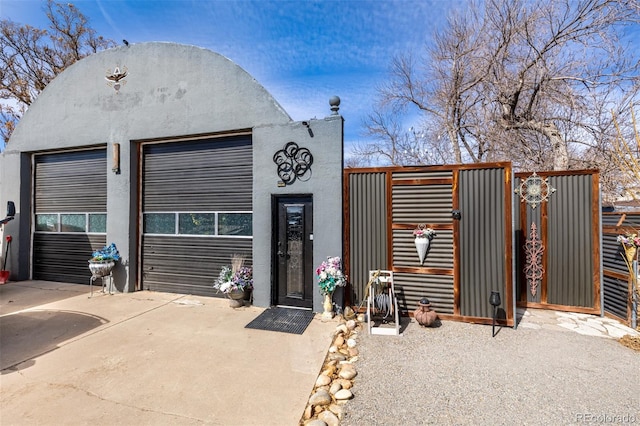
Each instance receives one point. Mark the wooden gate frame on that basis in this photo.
(595, 239)
(508, 288)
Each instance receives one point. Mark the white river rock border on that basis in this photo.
(333, 387)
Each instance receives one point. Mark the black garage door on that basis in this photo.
(70, 204)
(196, 212)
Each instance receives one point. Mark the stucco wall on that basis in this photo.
(325, 185)
(171, 91)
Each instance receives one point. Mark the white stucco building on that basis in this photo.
(182, 162)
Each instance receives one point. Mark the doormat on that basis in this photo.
(284, 320)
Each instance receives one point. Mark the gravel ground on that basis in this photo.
(457, 374)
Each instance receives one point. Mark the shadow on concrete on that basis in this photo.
(519, 315)
(29, 334)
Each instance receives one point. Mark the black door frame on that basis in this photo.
(277, 200)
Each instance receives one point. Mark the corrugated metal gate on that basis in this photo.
(196, 209)
(70, 204)
(568, 226)
(467, 259)
(616, 274)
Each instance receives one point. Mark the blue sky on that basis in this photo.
(302, 52)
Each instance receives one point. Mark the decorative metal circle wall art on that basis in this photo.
(533, 270)
(116, 79)
(293, 163)
(534, 190)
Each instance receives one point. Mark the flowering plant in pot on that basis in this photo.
(422, 232)
(102, 261)
(238, 281)
(235, 280)
(330, 276)
(630, 242)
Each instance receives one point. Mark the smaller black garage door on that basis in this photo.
(70, 204)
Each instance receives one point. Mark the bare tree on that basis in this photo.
(548, 58)
(441, 87)
(389, 144)
(32, 57)
(626, 156)
(524, 81)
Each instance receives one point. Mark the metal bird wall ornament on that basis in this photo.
(116, 79)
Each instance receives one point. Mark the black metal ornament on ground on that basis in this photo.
(294, 163)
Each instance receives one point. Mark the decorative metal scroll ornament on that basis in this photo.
(534, 190)
(116, 79)
(533, 270)
(293, 163)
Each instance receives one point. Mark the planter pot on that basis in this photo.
(101, 268)
(236, 298)
(422, 245)
(424, 315)
(247, 295)
(328, 306)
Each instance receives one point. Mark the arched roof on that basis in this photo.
(169, 90)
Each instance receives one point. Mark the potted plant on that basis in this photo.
(102, 261)
(423, 237)
(234, 281)
(330, 276)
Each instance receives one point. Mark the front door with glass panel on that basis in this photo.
(294, 251)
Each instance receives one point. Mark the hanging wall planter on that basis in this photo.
(422, 245)
(423, 237)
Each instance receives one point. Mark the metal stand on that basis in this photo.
(102, 277)
(493, 328)
(382, 290)
(494, 300)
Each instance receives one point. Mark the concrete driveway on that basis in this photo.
(148, 358)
